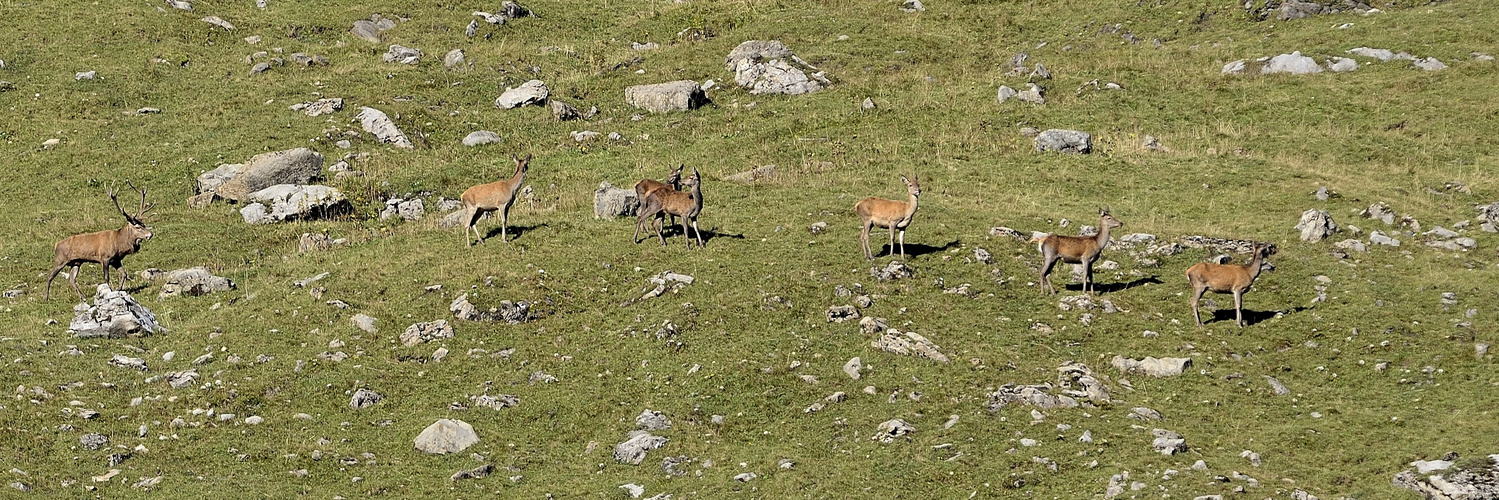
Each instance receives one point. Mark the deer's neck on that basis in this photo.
(910, 209)
(125, 242)
(1103, 236)
(1254, 265)
(516, 180)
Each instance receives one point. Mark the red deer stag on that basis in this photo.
(1227, 278)
(685, 204)
(1074, 250)
(895, 215)
(645, 187)
(495, 196)
(107, 248)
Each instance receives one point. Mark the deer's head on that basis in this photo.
(913, 185)
(138, 230)
(1107, 220)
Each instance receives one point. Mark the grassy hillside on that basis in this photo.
(1242, 156)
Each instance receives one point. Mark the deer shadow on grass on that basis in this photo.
(1251, 317)
(675, 230)
(913, 249)
(1102, 288)
(514, 232)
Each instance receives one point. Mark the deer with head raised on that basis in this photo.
(1227, 278)
(1074, 250)
(895, 215)
(645, 187)
(687, 204)
(107, 248)
(495, 196)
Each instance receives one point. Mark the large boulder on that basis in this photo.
(768, 67)
(114, 314)
(193, 281)
(756, 50)
(1065, 141)
(295, 202)
(610, 202)
(636, 444)
(1152, 366)
(376, 122)
(481, 137)
(236, 182)
(533, 92)
(446, 436)
(681, 95)
(1316, 225)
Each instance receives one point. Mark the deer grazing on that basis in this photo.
(1227, 278)
(895, 215)
(645, 187)
(107, 248)
(495, 196)
(685, 204)
(1074, 250)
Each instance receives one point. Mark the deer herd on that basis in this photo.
(682, 198)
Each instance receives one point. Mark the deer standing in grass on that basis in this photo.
(686, 204)
(1074, 250)
(895, 215)
(645, 187)
(108, 248)
(1227, 278)
(495, 196)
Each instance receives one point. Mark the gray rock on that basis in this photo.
(1039, 396)
(453, 59)
(1152, 366)
(891, 429)
(93, 441)
(893, 271)
(774, 77)
(376, 122)
(364, 322)
(1275, 385)
(124, 361)
(1351, 245)
(366, 30)
(756, 50)
(426, 332)
(1167, 442)
(114, 314)
(1477, 56)
(1316, 225)
(1293, 63)
(1342, 65)
(563, 111)
(852, 368)
(1234, 68)
(180, 5)
(868, 104)
(908, 344)
(85, 75)
(193, 281)
(481, 137)
(322, 107)
(1065, 141)
(912, 6)
(584, 135)
(1144, 413)
(1297, 9)
(681, 95)
(1429, 64)
(610, 202)
(179, 380)
(237, 182)
(635, 446)
(217, 21)
(652, 420)
(402, 55)
(1379, 238)
(1383, 55)
(290, 202)
(1032, 95)
(839, 314)
(310, 60)
(1467, 483)
(446, 436)
(1006, 93)
(513, 313)
(364, 398)
(496, 403)
(533, 92)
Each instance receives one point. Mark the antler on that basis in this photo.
(144, 207)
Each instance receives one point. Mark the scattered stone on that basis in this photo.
(309, 60)
(237, 181)
(839, 314)
(745, 477)
(681, 95)
(366, 30)
(1379, 238)
(1315, 225)
(891, 429)
(584, 135)
(479, 472)
(254, 420)
(1341, 65)
(446, 436)
(912, 6)
(495, 403)
(193, 282)
(186, 378)
(533, 92)
(426, 332)
(1275, 385)
(652, 420)
(635, 446)
(1351, 245)
(364, 398)
(384, 129)
(124, 361)
(1479, 481)
(1293, 63)
(318, 108)
(290, 202)
(513, 313)
(665, 280)
(481, 137)
(754, 174)
(453, 59)
(216, 21)
(1144, 413)
(1065, 141)
(1383, 55)
(908, 344)
(363, 322)
(1429, 64)
(1155, 367)
(1254, 458)
(114, 314)
(852, 368)
(93, 441)
(1033, 95)
(893, 271)
(1167, 442)
(563, 111)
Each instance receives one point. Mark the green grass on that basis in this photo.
(1244, 155)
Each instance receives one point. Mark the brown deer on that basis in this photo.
(1074, 250)
(895, 215)
(495, 196)
(685, 204)
(645, 187)
(1227, 278)
(107, 248)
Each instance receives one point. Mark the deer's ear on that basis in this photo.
(905, 180)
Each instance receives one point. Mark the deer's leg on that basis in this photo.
(470, 218)
(1239, 308)
(73, 280)
(892, 241)
(1050, 259)
(504, 221)
(903, 244)
(699, 233)
(55, 270)
(1196, 297)
(1088, 277)
(864, 241)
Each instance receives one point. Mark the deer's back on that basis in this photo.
(881, 211)
(1071, 248)
(96, 247)
(1219, 277)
